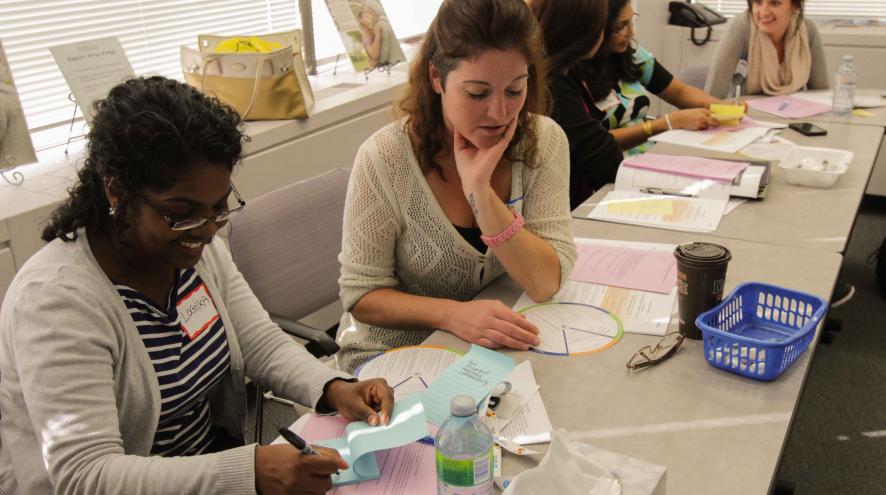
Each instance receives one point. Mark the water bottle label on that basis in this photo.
(464, 472)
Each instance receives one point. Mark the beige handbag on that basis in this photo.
(260, 86)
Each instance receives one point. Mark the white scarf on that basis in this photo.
(765, 74)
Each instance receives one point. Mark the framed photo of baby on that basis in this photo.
(15, 139)
(366, 33)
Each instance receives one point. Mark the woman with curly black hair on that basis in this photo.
(622, 75)
(124, 342)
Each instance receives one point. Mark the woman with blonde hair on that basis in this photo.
(470, 184)
(782, 50)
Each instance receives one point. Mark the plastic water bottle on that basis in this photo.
(464, 451)
(844, 86)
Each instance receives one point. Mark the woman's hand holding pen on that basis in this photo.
(283, 469)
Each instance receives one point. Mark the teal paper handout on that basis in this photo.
(408, 423)
(475, 374)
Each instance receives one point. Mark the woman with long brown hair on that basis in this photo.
(470, 184)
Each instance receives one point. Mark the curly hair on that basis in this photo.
(145, 134)
(571, 30)
(461, 30)
(607, 66)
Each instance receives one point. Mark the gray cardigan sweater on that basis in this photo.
(79, 398)
(734, 45)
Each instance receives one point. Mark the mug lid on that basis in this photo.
(704, 253)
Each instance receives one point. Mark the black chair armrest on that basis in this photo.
(319, 343)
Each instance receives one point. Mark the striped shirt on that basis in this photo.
(187, 369)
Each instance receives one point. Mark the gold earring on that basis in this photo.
(112, 211)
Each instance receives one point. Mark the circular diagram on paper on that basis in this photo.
(408, 369)
(570, 329)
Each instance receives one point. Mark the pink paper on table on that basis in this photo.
(788, 107)
(692, 166)
(640, 269)
(404, 470)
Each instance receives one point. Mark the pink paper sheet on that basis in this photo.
(789, 107)
(639, 269)
(404, 470)
(691, 166)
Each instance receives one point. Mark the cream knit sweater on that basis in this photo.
(397, 236)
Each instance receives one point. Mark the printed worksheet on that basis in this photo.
(693, 214)
(639, 311)
(408, 370)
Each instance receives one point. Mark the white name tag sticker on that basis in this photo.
(611, 101)
(196, 311)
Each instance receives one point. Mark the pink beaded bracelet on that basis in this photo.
(497, 240)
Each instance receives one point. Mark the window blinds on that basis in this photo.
(150, 31)
(831, 9)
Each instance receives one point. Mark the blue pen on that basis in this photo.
(784, 105)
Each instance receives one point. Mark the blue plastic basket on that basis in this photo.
(760, 329)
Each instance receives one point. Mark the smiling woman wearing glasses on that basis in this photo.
(622, 75)
(124, 342)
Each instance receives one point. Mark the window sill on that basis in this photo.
(340, 97)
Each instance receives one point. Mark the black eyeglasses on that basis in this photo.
(652, 355)
(193, 223)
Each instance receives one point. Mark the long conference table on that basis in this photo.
(810, 218)
(716, 432)
(872, 116)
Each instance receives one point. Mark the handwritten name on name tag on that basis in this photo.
(196, 311)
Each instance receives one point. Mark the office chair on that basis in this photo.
(694, 76)
(286, 245)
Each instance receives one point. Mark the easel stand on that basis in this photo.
(17, 179)
(73, 119)
(386, 68)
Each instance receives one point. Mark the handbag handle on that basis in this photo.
(255, 86)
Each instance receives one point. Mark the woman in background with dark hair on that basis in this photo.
(472, 183)
(594, 155)
(622, 75)
(782, 48)
(125, 341)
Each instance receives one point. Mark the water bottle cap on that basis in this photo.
(462, 405)
(848, 58)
